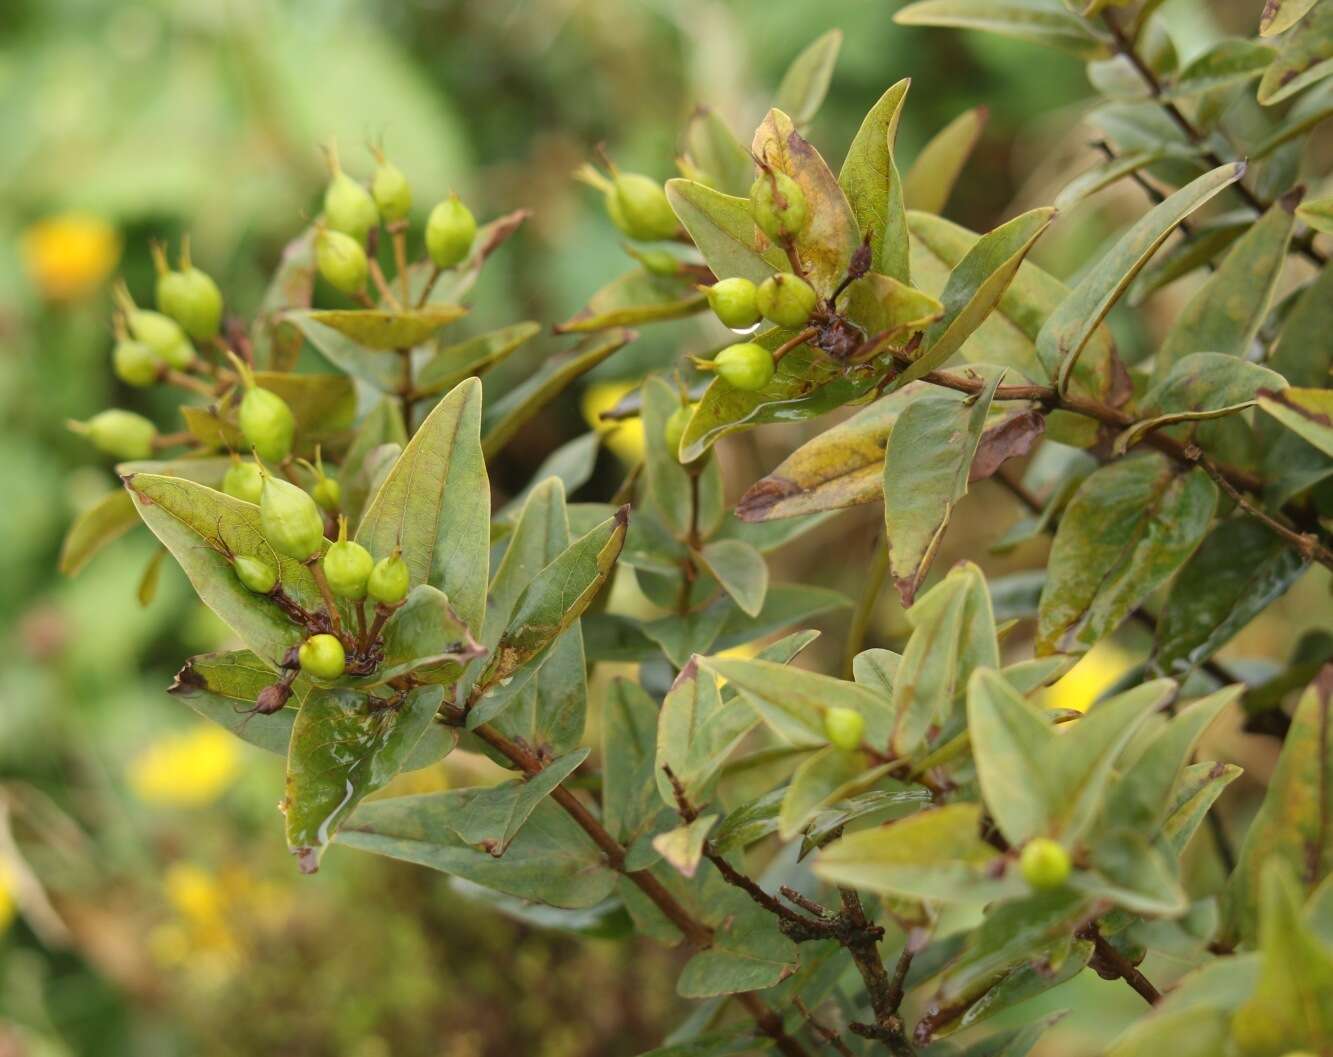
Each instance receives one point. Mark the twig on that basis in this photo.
(794, 343)
(382, 285)
(322, 582)
(1110, 964)
(884, 1000)
(823, 1030)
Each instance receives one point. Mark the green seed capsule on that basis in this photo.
(746, 366)
(328, 493)
(163, 335)
(786, 299)
(349, 207)
(290, 520)
(1045, 863)
(323, 657)
(267, 423)
(121, 434)
(391, 191)
(449, 232)
(195, 302)
(256, 574)
(675, 427)
(347, 565)
(844, 727)
(733, 301)
(135, 363)
(341, 260)
(243, 481)
(389, 580)
(658, 262)
(777, 204)
(638, 206)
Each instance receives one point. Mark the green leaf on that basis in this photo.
(323, 405)
(637, 297)
(740, 570)
(831, 234)
(869, 178)
(381, 371)
(934, 856)
(378, 441)
(793, 702)
(384, 331)
(1226, 64)
(1130, 525)
(975, 287)
(550, 861)
(696, 733)
(276, 344)
(630, 802)
(1318, 214)
(346, 744)
(451, 364)
(1226, 312)
(1194, 1019)
(222, 687)
(892, 800)
(1240, 568)
(505, 416)
(830, 775)
(953, 635)
(99, 525)
(1075, 320)
(805, 84)
(670, 489)
(723, 230)
(933, 173)
(1305, 56)
(877, 670)
(926, 467)
(683, 847)
(1278, 16)
(426, 639)
(1306, 412)
(1292, 821)
(889, 309)
(1289, 1009)
(1046, 22)
(435, 505)
(713, 156)
(735, 1042)
(201, 527)
(749, 823)
(1038, 781)
(1137, 875)
(491, 818)
(1104, 175)
(556, 597)
(748, 952)
(1198, 789)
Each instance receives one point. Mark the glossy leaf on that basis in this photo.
(805, 84)
(434, 504)
(638, 297)
(222, 687)
(383, 331)
(1129, 527)
(869, 178)
(346, 744)
(933, 173)
(721, 226)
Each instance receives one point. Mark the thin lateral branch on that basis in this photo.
(884, 998)
(794, 343)
(1110, 964)
(1124, 46)
(696, 933)
(831, 1037)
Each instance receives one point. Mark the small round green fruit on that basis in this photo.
(290, 519)
(734, 301)
(243, 481)
(120, 434)
(777, 204)
(267, 423)
(322, 657)
(256, 574)
(349, 207)
(450, 231)
(745, 366)
(163, 335)
(674, 430)
(135, 363)
(1045, 863)
(389, 580)
(328, 493)
(844, 727)
(638, 206)
(786, 299)
(347, 566)
(341, 261)
(391, 191)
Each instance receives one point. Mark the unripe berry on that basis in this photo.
(135, 363)
(786, 299)
(777, 204)
(734, 302)
(347, 565)
(391, 191)
(328, 493)
(844, 727)
(658, 262)
(256, 574)
(1045, 863)
(638, 206)
(290, 520)
(189, 296)
(341, 261)
(449, 232)
(162, 334)
(322, 656)
(121, 434)
(243, 481)
(389, 580)
(675, 427)
(267, 423)
(745, 366)
(348, 207)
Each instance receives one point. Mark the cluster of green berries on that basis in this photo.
(351, 212)
(785, 299)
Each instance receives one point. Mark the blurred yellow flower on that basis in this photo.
(625, 439)
(1092, 676)
(202, 902)
(68, 255)
(185, 770)
(8, 907)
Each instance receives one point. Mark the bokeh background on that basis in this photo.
(147, 904)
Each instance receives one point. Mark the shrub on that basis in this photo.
(920, 844)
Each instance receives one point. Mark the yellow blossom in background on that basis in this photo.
(8, 907)
(67, 256)
(202, 903)
(625, 439)
(1092, 676)
(186, 770)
